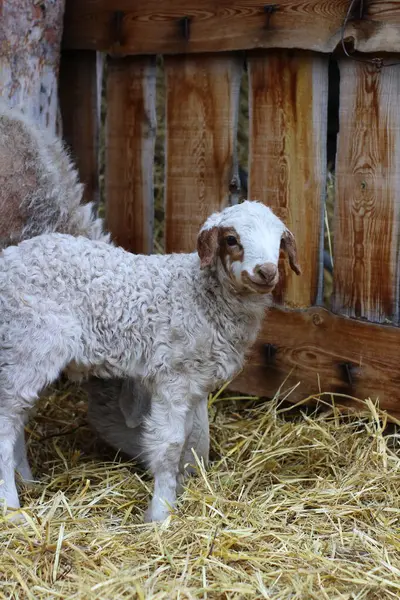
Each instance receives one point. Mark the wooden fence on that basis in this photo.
(353, 350)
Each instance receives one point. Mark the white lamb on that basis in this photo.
(40, 193)
(179, 323)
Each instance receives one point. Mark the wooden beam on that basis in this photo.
(367, 213)
(79, 110)
(316, 350)
(287, 157)
(202, 111)
(156, 26)
(130, 143)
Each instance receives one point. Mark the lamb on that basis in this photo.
(41, 193)
(180, 324)
(40, 190)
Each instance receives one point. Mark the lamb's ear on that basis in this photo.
(288, 244)
(134, 402)
(207, 246)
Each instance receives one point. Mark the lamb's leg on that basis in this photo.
(163, 439)
(28, 362)
(21, 458)
(8, 436)
(198, 440)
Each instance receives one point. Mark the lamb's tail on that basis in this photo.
(40, 191)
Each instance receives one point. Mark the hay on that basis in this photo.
(293, 506)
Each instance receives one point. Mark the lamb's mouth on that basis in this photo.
(257, 286)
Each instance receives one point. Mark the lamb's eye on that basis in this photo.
(231, 240)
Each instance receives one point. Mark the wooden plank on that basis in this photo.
(130, 143)
(367, 212)
(135, 27)
(287, 157)
(310, 349)
(80, 125)
(202, 110)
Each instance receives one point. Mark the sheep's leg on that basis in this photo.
(8, 437)
(163, 439)
(197, 440)
(21, 458)
(29, 361)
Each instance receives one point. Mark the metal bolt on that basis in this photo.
(184, 25)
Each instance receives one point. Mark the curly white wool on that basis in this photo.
(179, 323)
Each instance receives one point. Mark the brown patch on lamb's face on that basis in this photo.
(230, 249)
(207, 246)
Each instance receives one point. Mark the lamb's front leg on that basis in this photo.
(163, 439)
(198, 439)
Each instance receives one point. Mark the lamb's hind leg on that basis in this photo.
(8, 436)
(30, 358)
(21, 457)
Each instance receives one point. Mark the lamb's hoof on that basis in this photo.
(180, 484)
(16, 517)
(156, 514)
(27, 483)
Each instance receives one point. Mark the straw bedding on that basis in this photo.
(293, 506)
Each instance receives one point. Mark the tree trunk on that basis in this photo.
(30, 39)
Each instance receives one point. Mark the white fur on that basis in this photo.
(258, 235)
(95, 309)
(117, 410)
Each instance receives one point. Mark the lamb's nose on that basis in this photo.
(268, 272)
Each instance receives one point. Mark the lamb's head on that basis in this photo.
(244, 241)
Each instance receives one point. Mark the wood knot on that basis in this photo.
(317, 319)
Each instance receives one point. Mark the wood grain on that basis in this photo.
(130, 143)
(80, 124)
(202, 110)
(135, 27)
(287, 157)
(310, 350)
(367, 214)
(30, 41)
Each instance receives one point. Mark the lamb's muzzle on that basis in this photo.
(181, 324)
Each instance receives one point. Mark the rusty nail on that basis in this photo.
(378, 62)
(347, 372)
(270, 352)
(184, 25)
(269, 10)
(117, 19)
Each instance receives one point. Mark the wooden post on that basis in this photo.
(287, 162)
(202, 111)
(367, 211)
(30, 37)
(130, 144)
(80, 115)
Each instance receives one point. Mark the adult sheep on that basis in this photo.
(180, 323)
